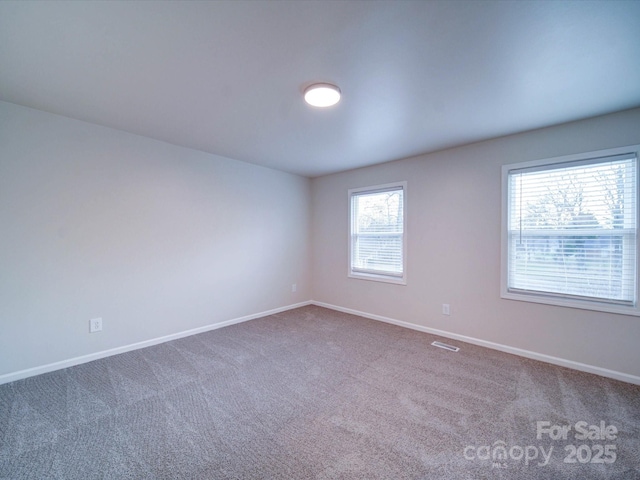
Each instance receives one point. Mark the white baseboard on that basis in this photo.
(624, 377)
(30, 372)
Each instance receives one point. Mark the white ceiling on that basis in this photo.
(227, 77)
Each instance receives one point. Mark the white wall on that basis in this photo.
(454, 204)
(155, 239)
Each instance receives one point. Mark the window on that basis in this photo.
(570, 231)
(377, 233)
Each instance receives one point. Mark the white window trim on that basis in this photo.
(504, 247)
(379, 277)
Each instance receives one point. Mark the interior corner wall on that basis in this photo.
(153, 238)
(453, 251)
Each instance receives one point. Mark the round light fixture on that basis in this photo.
(322, 95)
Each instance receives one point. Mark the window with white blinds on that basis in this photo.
(377, 233)
(571, 230)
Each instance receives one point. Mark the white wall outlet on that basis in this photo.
(95, 325)
(445, 309)
(294, 287)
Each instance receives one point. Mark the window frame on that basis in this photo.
(373, 276)
(550, 299)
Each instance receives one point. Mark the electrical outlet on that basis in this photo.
(294, 287)
(95, 325)
(445, 309)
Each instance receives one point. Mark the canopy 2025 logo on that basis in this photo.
(501, 455)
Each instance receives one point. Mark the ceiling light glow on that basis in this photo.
(322, 95)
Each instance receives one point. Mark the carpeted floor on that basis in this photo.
(314, 393)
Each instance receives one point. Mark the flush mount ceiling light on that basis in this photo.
(322, 95)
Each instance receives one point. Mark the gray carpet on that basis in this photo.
(313, 393)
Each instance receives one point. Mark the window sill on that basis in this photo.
(570, 303)
(378, 278)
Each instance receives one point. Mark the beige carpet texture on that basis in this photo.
(312, 393)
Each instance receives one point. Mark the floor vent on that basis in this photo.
(445, 346)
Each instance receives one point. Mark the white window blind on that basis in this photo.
(377, 231)
(572, 230)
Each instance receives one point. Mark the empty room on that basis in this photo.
(319, 239)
